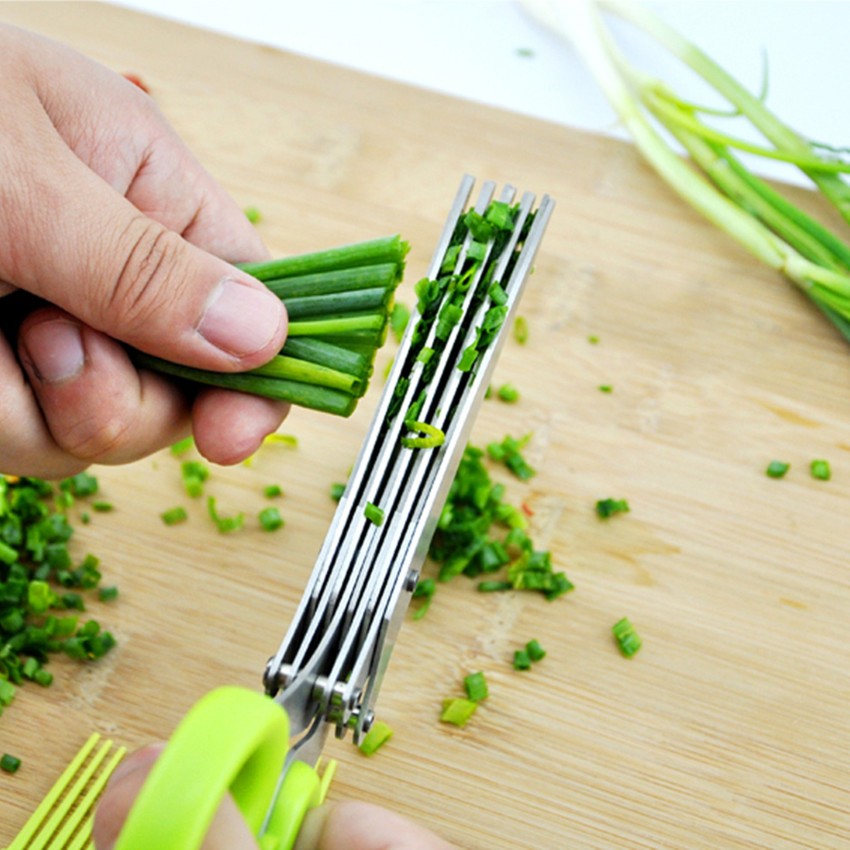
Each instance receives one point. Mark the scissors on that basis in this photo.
(264, 748)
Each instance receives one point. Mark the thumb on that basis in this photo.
(76, 242)
(228, 830)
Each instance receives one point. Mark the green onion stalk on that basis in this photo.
(720, 186)
(339, 302)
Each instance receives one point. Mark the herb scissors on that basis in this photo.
(264, 747)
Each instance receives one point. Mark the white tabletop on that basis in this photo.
(492, 52)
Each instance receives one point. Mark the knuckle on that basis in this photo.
(93, 440)
(146, 279)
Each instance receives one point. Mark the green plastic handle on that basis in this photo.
(232, 739)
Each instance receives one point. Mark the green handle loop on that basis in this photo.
(232, 740)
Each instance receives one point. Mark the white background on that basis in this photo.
(475, 49)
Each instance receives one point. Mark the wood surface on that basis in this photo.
(730, 727)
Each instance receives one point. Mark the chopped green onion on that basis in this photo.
(7, 692)
(476, 687)
(194, 473)
(337, 489)
(399, 317)
(521, 330)
(433, 436)
(508, 393)
(9, 763)
(289, 440)
(107, 594)
(458, 711)
(270, 519)
(80, 485)
(821, 470)
(593, 339)
(102, 507)
(468, 358)
(182, 446)
(225, 524)
(606, 388)
(173, 516)
(627, 638)
(375, 738)
(777, 469)
(425, 590)
(252, 214)
(608, 507)
(374, 514)
(521, 660)
(534, 650)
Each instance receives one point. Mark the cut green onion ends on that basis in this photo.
(340, 303)
(9, 763)
(375, 738)
(476, 687)
(627, 638)
(777, 469)
(820, 470)
(458, 711)
(606, 508)
(712, 178)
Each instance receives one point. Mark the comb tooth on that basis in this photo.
(46, 805)
(63, 820)
(82, 810)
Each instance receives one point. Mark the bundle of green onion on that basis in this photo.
(339, 302)
(758, 216)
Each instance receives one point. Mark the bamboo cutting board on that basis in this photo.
(730, 728)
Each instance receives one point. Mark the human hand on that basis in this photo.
(107, 218)
(333, 826)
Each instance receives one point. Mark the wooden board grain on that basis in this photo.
(730, 728)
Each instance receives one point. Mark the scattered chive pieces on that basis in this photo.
(7, 692)
(521, 330)
(627, 638)
(337, 489)
(431, 439)
(225, 524)
(80, 485)
(182, 446)
(777, 469)
(194, 473)
(272, 491)
(509, 452)
(608, 507)
(270, 519)
(375, 738)
(476, 687)
(508, 393)
(253, 214)
(521, 660)
(399, 317)
(425, 590)
(534, 650)
(102, 507)
(374, 514)
(107, 594)
(9, 763)
(281, 440)
(458, 711)
(593, 339)
(606, 388)
(820, 469)
(173, 516)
